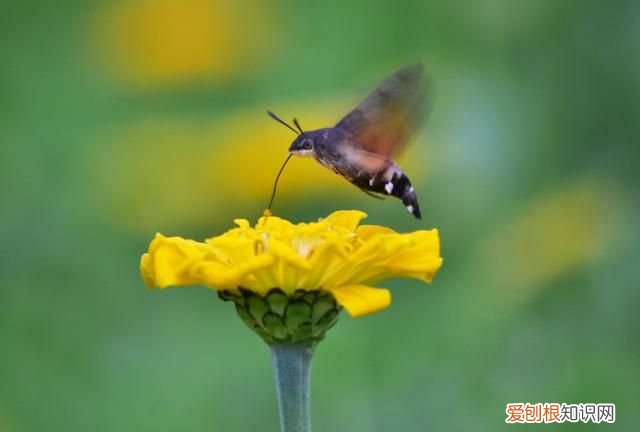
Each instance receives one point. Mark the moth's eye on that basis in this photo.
(307, 145)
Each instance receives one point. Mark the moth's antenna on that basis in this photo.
(279, 120)
(295, 122)
(275, 184)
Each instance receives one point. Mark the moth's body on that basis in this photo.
(337, 150)
(361, 147)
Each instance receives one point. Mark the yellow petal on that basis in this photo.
(242, 223)
(363, 262)
(146, 269)
(325, 259)
(233, 250)
(169, 260)
(421, 256)
(348, 219)
(361, 300)
(274, 223)
(288, 254)
(365, 232)
(213, 275)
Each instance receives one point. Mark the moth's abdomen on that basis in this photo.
(403, 189)
(394, 182)
(363, 170)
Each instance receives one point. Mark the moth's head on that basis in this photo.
(302, 145)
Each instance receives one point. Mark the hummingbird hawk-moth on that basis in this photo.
(361, 147)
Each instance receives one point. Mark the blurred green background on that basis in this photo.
(119, 119)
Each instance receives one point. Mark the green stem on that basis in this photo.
(292, 369)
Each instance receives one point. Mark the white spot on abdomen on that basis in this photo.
(410, 208)
(388, 187)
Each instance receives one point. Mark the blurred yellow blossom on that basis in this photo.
(151, 42)
(558, 232)
(334, 255)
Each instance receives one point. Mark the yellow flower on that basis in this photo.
(158, 42)
(335, 256)
(555, 234)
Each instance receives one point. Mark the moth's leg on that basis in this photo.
(371, 194)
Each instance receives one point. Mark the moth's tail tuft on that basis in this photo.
(403, 189)
(410, 201)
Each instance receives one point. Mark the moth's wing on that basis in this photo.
(384, 121)
(363, 160)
